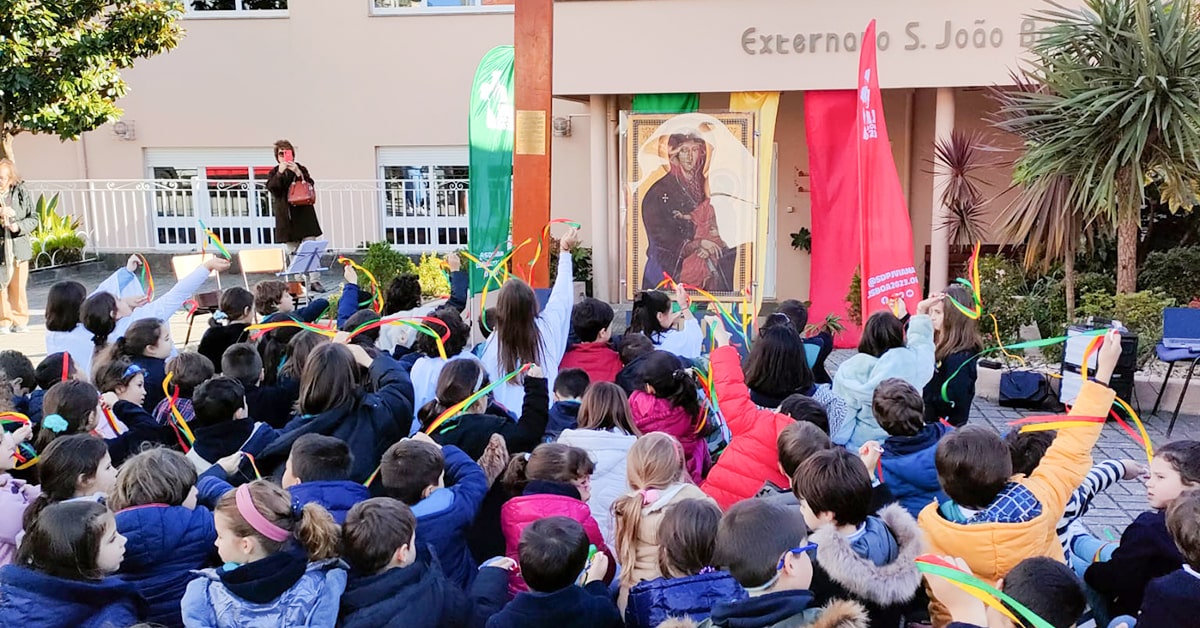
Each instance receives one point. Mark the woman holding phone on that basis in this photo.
(293, 223)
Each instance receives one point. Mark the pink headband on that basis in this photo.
(249, 512)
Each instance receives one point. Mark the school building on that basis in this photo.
(375, 94)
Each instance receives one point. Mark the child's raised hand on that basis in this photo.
(425, 438)
(136, 302)
(569, 240)
(598, 568)
(22, 434)
(1133, 470)
(869, 453)
(962, 606)
(500, 562)
(923, 306)
(217, 263)
(681, 296)
(361, 356)
(132, 263)
(230, 463)
(535, 372)
(720, 334)
(453, 262)
(109, 399)
(350, 275)
(1109, 353)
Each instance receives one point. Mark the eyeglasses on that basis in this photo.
(795, 551)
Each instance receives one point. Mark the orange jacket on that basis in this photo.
(992, 549)
(751, 457)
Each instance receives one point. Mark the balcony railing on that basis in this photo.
(121, 216)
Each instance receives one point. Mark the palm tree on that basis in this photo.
(1116, 105)
(959, 157)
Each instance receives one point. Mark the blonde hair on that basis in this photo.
(155, 476)
(655, 461)
(313, 527)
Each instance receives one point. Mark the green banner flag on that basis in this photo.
(490, 134)
(666, 103)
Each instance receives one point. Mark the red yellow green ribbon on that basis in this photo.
(23, 461)
(261, 328)
(537, 253)
(493, 271)
(14, 417)
(377, 298)
(417, 324)
(371, 478)
(253, 465)
(458, 408)
(976, 310)
(216, 241)
(180, 424)
(108, 416)
(933, 566)
(146, 278)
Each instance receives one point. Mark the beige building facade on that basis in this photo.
(371, 92)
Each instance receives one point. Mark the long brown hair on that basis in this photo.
(604, 407)
(517, 335)
(459, 379)
(313, 526)
(687, 537)
(655, 461)
(553, 462)
(298, 349)
(330, 379)
(958, 333)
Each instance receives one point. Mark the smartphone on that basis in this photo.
(288, 155)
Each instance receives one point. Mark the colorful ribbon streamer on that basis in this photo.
(253, 465)
(984, 592)
(417, 324)
(146, 277)
(108, 416)
(371, 478)
(216, 241)
(261, 328)
(377, 298)
(537, 253)
(493, 271)
(457, 408)
(976, 310)
(1029, 344)
(180, 424)
(14, 417)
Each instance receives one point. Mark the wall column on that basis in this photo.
(939, 246)
(598, 145)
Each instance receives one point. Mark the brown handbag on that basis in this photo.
(301, 192)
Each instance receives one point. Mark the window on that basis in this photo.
(257, 8)
(409, 7)
(424, 198)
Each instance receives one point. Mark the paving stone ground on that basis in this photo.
(1111, 512)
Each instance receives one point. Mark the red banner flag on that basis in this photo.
(885, 227)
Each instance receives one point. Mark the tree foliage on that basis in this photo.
(61, 60)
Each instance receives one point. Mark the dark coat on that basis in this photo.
(218, 338)
(572, 607)
(142, 429)
(156, 372)
(471, 432)
(31, 598)
(292, 223)
(564, 415)
(163, 545)
(907, 467)
(273, 404)
(338, 497)
(960, 391)
(1146, 552)
(25, 206)
(369, 425)
(420, 596)
(652, 602)
(1172, 601)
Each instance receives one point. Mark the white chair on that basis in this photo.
(271, 260)
(206, 302)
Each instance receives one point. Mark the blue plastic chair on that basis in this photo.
(1180, 342)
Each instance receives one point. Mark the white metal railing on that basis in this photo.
(147, 215)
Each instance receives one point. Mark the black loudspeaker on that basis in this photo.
(1077, 342)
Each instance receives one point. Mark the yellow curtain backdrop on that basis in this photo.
(766, 105)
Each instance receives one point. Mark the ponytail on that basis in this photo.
(514, 478)
(627, 511)
(552, 462)
(429, 413)
(98, 315)
(655, 461)
(647, 305)
(317, 532)
(662, 372)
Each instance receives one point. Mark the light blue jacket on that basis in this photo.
(857, 378)
(311, 603)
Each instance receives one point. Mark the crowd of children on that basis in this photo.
(297, 478)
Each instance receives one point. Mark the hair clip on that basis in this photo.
(55, 423)
(132, 370)
(219, 316)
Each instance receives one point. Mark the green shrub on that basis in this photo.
(581, 261)
(1175, 272)
(1016, 299)
(1095, 282)
(386, 263)
(854, 298)
(57, 238)
(1141, 312)
(434, 281)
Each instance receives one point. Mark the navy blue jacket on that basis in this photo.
(338, 497)
(156, 372)
(163, 545)
(420, 596)
(960, 391)
(142, 429)
(214, 442)
(369, 425)
(909, 470)
(33, 406)
(31, 598)
(273, 404)
(564, 415)
(445, 516)
(652, 602)
(572, 607)
(1146, 552)
(1172, 601)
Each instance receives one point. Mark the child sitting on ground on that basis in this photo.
(221, 426)
(395, 581)
(73, 468)
(689, 586)
(122, 387)
(907, 463)
(280, 564)
(1173, 601)
(569, 387)
(591, 320)
(189, 369)
(553, 554)
(796, 443)
(987, 503)
(1147, 550)
(634, 349)
(318, 471)
(228, 324)
(273, 297)
(147, 344)
(48, 373)
(62, 576)
(1043, 585)
(473, 428)
(767, 552)
(444, 487)
(861, 556)
(272, 404)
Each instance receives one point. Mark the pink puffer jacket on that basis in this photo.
(654, 414)
(521, 511)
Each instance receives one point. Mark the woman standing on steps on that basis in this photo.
(293, 223)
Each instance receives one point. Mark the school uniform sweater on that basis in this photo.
(1146, 552)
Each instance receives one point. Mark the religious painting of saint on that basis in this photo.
(692, 185)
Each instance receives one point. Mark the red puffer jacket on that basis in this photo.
(654, 414)
(751, 457)
(521, 511)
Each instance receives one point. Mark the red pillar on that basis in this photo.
(534, 49)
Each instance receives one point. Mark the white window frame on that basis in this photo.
(238, 12)
(422, 157)
(375, 11)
